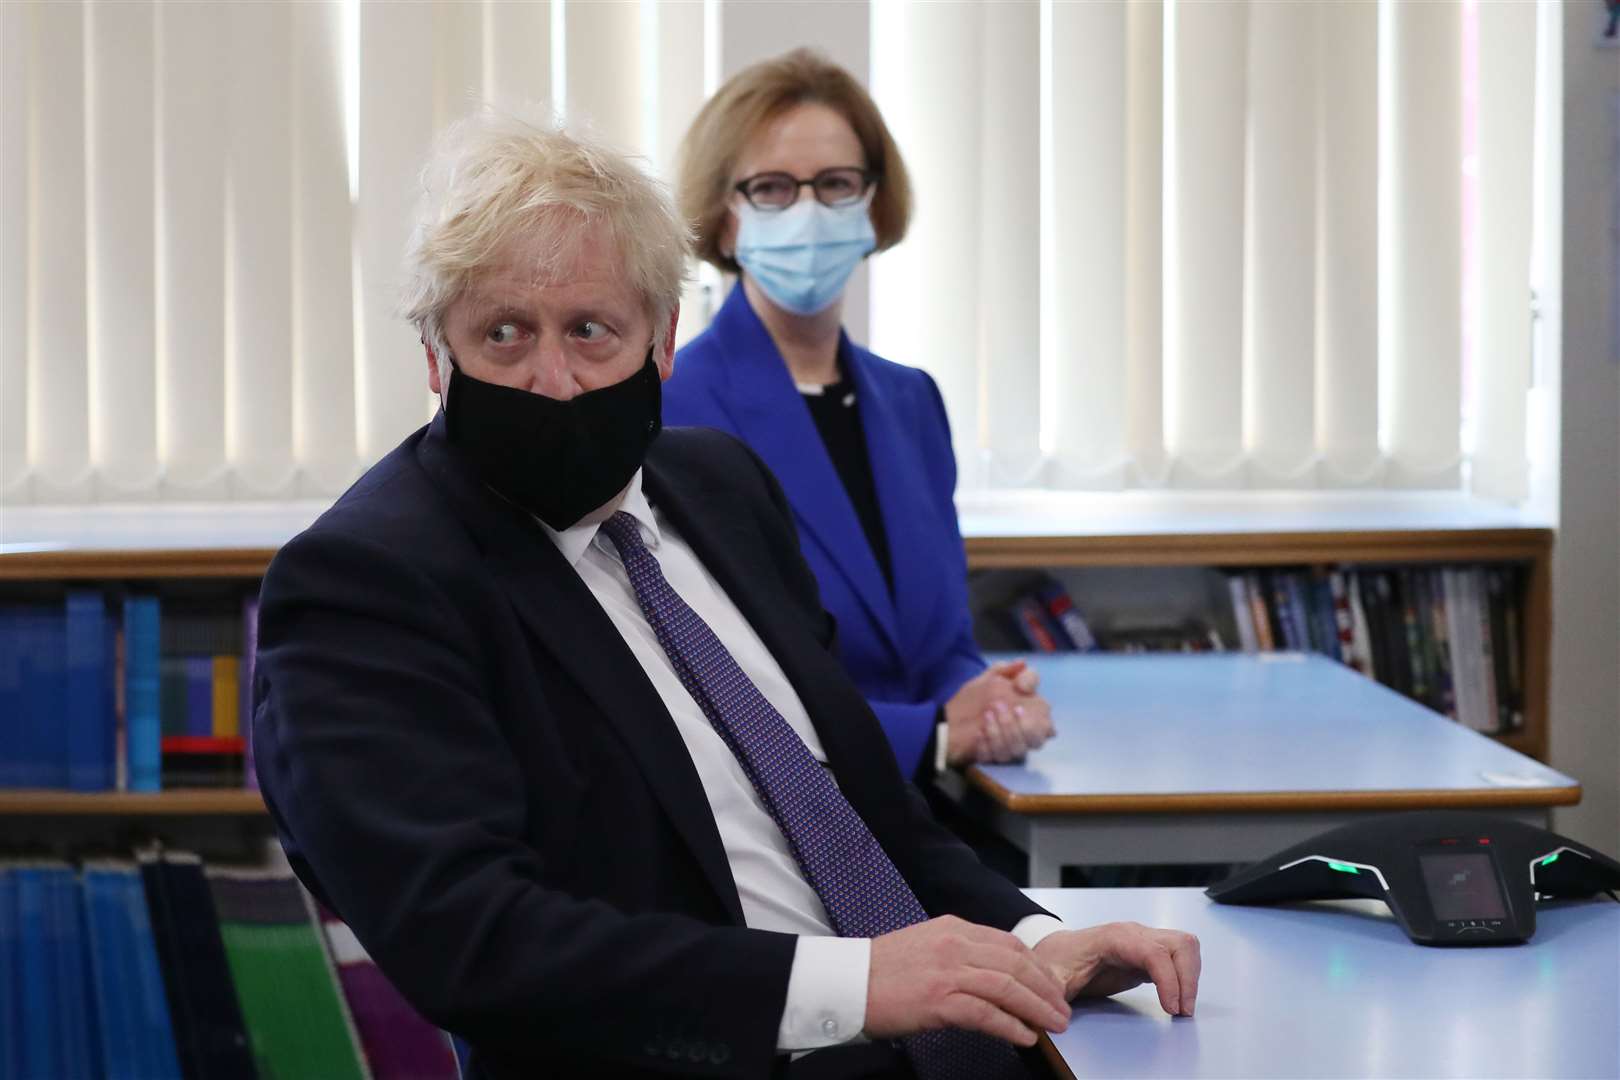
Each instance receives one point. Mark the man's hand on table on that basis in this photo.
(1103, 960)
(948, 972)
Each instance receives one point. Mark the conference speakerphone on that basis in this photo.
(1450, 877)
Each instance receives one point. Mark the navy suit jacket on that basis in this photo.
(909, 650)
(467, 763)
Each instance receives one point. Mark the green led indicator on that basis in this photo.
(1551, 858)
(1343, 868)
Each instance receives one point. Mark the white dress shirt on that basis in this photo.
(826, 996)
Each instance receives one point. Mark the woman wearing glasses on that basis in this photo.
(791, 178)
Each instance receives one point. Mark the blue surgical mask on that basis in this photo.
(802, 256)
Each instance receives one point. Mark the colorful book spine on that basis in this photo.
(1262, 618)
(398, 1043)
(295, 1015)
(199, 695)
(227, 697)
(1343, 624)
(1029, 618)
(143, 723)
(1060, 607)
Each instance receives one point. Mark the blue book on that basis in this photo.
(28, 769)
(112, 950)
(43, 732)
(86, 713)
(1322, 617)
(135, 1037)
(200, 696)
(155, 1032)
(36, 970)
(1296, 614)
(143, 723)
(11, 702)
(10, 962)
(112, 697)
(76, 1030)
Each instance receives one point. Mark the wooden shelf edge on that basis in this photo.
(1259, 548)
(165, 563)
(194, 802)
(1276, 801)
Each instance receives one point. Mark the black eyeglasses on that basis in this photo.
(842, 186)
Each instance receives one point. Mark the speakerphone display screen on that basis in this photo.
(1462, 886)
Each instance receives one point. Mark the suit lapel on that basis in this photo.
(908, 517)
(770, 417)
(560, 611)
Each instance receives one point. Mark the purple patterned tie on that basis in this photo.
(863, 892)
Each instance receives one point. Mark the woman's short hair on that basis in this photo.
(752, 99)
(494, 176)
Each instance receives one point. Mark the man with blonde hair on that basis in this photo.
(547, 708)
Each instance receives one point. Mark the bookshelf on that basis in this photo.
(1526, 546)
(23, 573)
(183, 802)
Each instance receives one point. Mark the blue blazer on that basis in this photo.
(908, 651)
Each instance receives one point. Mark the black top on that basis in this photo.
(838, 417)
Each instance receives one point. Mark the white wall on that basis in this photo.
(1586, 564)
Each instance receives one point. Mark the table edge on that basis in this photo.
(1228, 802)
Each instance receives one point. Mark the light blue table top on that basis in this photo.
(1229, 723)
(1337, 990)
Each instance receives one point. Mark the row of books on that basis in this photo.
(1450, 637)
(109, 691)
(162, 968)
(1045, 619)
(1447, 636)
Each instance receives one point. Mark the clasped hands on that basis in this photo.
(997, 716)
(947, 972)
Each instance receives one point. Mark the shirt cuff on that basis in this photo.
(826, 993)
(941, 746)
(1032, 930)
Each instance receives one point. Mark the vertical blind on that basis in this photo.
(205, 208)
(1216, 243)
(1158, 242)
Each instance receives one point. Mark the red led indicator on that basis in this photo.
(1484, 839)
(1452, 841)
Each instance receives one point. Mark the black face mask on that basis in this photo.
(559, 460)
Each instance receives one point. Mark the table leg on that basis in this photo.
(1045, 865)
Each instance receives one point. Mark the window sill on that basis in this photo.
(155, 526)
(183, 526)
(1155, 513)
